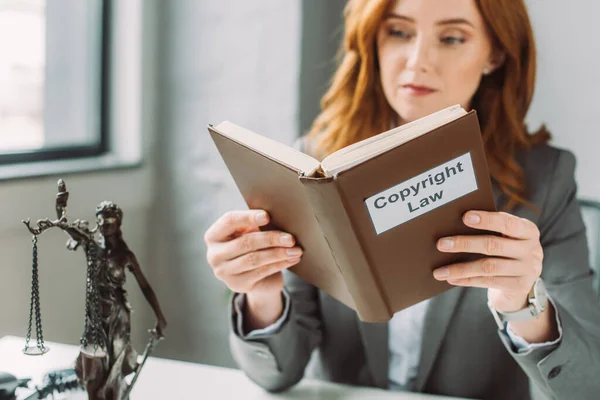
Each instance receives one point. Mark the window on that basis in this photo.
(51, 79)
(70, 95)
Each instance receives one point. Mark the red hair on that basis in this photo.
(355, 106)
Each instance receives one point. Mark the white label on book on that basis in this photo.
(421, 194)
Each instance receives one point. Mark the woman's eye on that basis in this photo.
(398, 33)
(453, 40)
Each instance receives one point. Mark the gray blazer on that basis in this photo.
(463, 354)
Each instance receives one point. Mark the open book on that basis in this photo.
(368, 216)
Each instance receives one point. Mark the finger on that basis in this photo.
(219, 253)
(234, 221)
(244, 282)
(507, 224)
(509, 284)
(259, 274)
(258, 259)
(489, 266)
(254, 241)
(483, 244)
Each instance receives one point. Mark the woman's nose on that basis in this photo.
(418, 57)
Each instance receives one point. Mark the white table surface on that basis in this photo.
(169, 379)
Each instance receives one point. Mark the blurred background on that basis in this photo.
(115, 97)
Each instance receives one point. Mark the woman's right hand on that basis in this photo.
(250, 261)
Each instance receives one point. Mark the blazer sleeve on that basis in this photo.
(571, 368)
(277, 361)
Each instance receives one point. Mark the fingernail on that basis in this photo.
(441, 273)
(294, 251)
(261, 218)
(446, 243)
(286, 239)
(294, 259)
(473, 218)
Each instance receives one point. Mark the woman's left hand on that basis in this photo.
(513, 262)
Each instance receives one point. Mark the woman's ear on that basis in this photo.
(496, 60)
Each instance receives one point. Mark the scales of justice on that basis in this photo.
(106, 355)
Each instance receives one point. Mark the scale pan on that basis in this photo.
(35, 351)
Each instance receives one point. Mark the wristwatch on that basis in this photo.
(538, 302)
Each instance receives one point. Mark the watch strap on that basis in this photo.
(522, 315)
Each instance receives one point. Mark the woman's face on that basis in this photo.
(432, 54)
(108, 224)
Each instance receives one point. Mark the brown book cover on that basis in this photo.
(368, 231)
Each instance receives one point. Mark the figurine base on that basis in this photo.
(93, 351)
(35, 351)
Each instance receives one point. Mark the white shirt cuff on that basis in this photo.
(523, 345)
(239, 303)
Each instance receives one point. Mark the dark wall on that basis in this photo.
(322, 31)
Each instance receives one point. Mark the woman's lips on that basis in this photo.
(416, 90)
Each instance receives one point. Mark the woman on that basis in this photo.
(403, 60)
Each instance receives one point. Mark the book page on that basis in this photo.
(273, 149)
(368, 148)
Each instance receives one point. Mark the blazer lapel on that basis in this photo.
(375, 342)
(375, 339)
(438, 317)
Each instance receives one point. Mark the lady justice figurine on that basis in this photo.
(106, 356)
